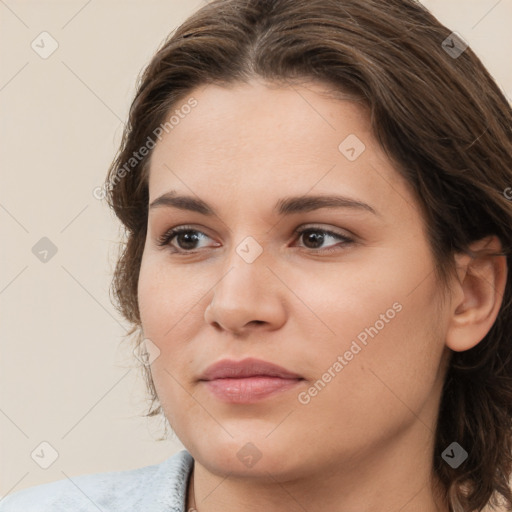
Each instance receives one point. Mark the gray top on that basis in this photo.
(158, 488)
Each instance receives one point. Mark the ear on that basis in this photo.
(477, 294)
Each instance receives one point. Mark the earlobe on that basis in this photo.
(478, 294)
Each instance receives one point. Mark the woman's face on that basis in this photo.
(351, 306)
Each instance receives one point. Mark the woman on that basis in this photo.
(317, 201)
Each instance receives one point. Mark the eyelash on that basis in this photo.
(168, 236)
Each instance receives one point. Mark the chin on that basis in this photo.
(257, 458)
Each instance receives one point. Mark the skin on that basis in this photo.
(365, 441)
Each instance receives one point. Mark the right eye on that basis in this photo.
(186, 239)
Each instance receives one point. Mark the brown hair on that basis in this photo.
(438, 115)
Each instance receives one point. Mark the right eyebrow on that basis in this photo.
(173, 200)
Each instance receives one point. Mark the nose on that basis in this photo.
(248, 296)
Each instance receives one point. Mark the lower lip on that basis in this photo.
(249, 389)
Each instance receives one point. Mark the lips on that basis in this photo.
(250, 367)
(248, 381)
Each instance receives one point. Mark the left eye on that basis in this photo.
(187, 237)
(314, 237)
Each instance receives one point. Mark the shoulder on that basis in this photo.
(157, 488)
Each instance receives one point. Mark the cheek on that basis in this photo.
(172, 314)
(168, 296)
(165, 308)
(385, 326)
(370, 389)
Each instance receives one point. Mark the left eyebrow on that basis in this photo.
(285, 206)
(299, 204)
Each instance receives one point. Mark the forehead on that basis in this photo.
(263, 139)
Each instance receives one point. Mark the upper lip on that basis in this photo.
(250, 367)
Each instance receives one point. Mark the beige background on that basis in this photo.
(66, 377)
